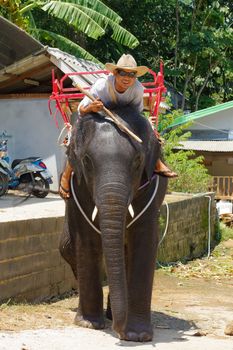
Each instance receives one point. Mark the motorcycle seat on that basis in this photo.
(17, 161)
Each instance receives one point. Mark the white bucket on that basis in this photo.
(224, 207)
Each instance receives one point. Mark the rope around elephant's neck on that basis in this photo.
(89, 221)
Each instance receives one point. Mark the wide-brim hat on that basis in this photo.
(127, 63)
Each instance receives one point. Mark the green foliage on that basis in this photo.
(194, 38)
(192, 174)
(10, 9)
(225, 232)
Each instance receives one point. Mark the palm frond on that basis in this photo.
(123, 36)
(99, 18)
(66, 45)
(74, 16)
(120, 34)
(27, 7)
(99, 7)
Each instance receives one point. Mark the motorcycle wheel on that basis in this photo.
(41, 183)
(3, 184)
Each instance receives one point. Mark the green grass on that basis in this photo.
(218, 266)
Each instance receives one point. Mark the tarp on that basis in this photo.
(202, 113)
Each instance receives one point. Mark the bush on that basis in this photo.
(225, 232)
(192, 177)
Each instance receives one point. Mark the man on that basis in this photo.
(119, 88)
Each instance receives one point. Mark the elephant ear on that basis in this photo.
(153, 153)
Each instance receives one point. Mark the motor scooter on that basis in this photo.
(28, 174)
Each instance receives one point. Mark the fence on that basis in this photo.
(223, 187)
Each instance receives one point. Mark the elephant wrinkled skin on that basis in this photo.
(109, 168)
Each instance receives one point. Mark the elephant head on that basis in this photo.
(111, 166)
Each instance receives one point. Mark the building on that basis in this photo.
(212, 137)
(25, 86)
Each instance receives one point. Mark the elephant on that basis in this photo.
(111, 174)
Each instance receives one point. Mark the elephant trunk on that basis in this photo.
(112, 205)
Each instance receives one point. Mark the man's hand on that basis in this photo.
(94, 106)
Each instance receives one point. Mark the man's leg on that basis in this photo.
(64, 189)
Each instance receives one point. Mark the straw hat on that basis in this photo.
(127, 63)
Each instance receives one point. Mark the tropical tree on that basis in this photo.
(205, 49)
(194, 38)
(91, 17)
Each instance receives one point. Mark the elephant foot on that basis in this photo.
(93, 322)
(137, 333)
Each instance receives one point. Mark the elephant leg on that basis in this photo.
(67, 248)
(142, 246)
(82, 249)
(89, 269)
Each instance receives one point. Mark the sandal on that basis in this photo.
(167, 173)
(64, 193)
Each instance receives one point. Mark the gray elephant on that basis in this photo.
(114, 173)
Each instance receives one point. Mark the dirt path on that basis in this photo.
(182, 309)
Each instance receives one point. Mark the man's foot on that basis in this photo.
(167, 173)
(163, 170)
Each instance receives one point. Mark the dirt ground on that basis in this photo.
(182, 309)
(182, 304)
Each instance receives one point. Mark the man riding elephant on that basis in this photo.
(121, 88)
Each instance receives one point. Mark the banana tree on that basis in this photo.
(91, 17)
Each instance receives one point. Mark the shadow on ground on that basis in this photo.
(18, 199)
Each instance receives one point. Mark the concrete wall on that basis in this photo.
(31, 267)
(188, 228)
(32, 132)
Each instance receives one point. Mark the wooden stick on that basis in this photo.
(121, 126)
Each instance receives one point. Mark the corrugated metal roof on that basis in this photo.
(207, 146)
(69, 64)
(202, 113)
